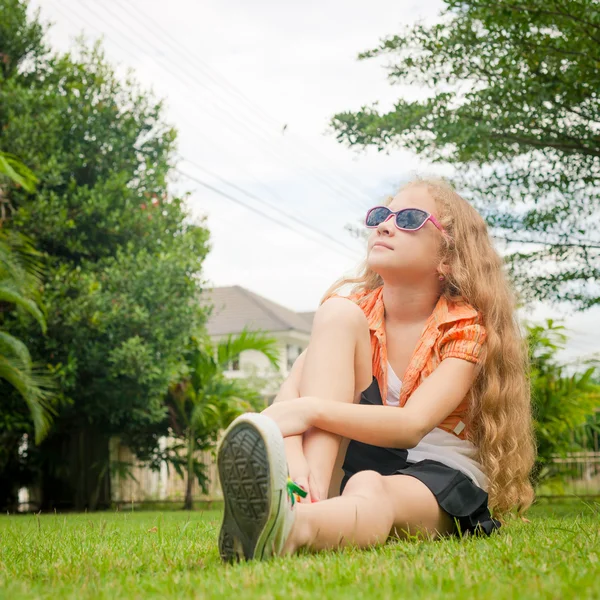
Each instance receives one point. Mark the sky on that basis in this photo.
(251, 88)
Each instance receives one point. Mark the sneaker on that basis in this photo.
(259, 497)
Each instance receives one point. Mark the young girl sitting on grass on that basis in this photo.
(422, 368)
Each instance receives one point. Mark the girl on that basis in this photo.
(422, 368)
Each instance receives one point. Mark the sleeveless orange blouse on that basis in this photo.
(453, 330)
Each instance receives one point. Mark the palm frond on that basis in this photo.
(35, 388)
(10, 293)
(19, 257)
(231, 347)
(203, 367)
(14, 169)
(9, 344)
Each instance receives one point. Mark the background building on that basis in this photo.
(236, 308)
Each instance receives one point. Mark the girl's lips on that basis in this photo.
(381, 245)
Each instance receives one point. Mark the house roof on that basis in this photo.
(308, 316)
(236, 307)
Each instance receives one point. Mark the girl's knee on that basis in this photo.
(370, 486)
(365, 483)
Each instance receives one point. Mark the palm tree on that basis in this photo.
(20, 278)
(14, 170)
(564, 401)
(204, 402)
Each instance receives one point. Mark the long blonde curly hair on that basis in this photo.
(500, 408)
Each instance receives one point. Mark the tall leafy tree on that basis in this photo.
(513, 102)
(124, 258)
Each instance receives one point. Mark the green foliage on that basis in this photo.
(21, 41)
(124, 259)
(564, 403)
(204, 401)
(512, 101)
(12, 168)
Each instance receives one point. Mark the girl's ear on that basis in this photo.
(443, 271)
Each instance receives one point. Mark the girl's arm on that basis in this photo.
(394, 427)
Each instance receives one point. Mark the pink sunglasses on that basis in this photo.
(407, 219)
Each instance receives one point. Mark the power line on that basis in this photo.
(267, 189)
(257, 211)
(229, 116)
(193, 126)
(569, 244)
(251, 195)
(224, 83)
(258, 199)
(318, 177)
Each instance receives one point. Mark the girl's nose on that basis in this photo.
(386, 226)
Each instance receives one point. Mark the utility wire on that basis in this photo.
(328, 237)
(198, 64)
(570, 244)
(312, 228)
(503, 238)
(229, 116)
(257, 211)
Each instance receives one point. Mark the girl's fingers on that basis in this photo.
(303, 482)
(314, 490)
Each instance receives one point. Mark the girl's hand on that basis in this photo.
(294, 416)
(300, 474)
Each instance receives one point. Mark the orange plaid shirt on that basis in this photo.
(454, 329)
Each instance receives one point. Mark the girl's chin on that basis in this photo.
(381, 266)
(380, 261)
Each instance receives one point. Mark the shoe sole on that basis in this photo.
(253, 473)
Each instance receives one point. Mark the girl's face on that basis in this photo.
(406, 256)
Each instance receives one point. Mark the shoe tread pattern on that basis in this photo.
(245, 479)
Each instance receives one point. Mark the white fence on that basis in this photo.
(143, 485)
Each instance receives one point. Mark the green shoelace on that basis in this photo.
(295, 490)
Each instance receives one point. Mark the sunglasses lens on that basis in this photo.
(377, 215)
(411, 218)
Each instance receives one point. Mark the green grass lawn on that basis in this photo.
(174, 555)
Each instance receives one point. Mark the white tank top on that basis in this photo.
(439, 444)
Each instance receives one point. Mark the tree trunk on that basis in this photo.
(76, 471)
(188, 503)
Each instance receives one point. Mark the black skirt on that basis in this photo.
(456, 494)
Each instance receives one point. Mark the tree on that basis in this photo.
(514, 104)
(204, 401)
(124, 259)
(564, 404)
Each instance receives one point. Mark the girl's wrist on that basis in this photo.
(316, 412)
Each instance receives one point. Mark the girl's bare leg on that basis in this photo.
(337, 366)
(372, 508)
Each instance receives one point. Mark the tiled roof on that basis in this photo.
(308, 316)
(236, 307)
